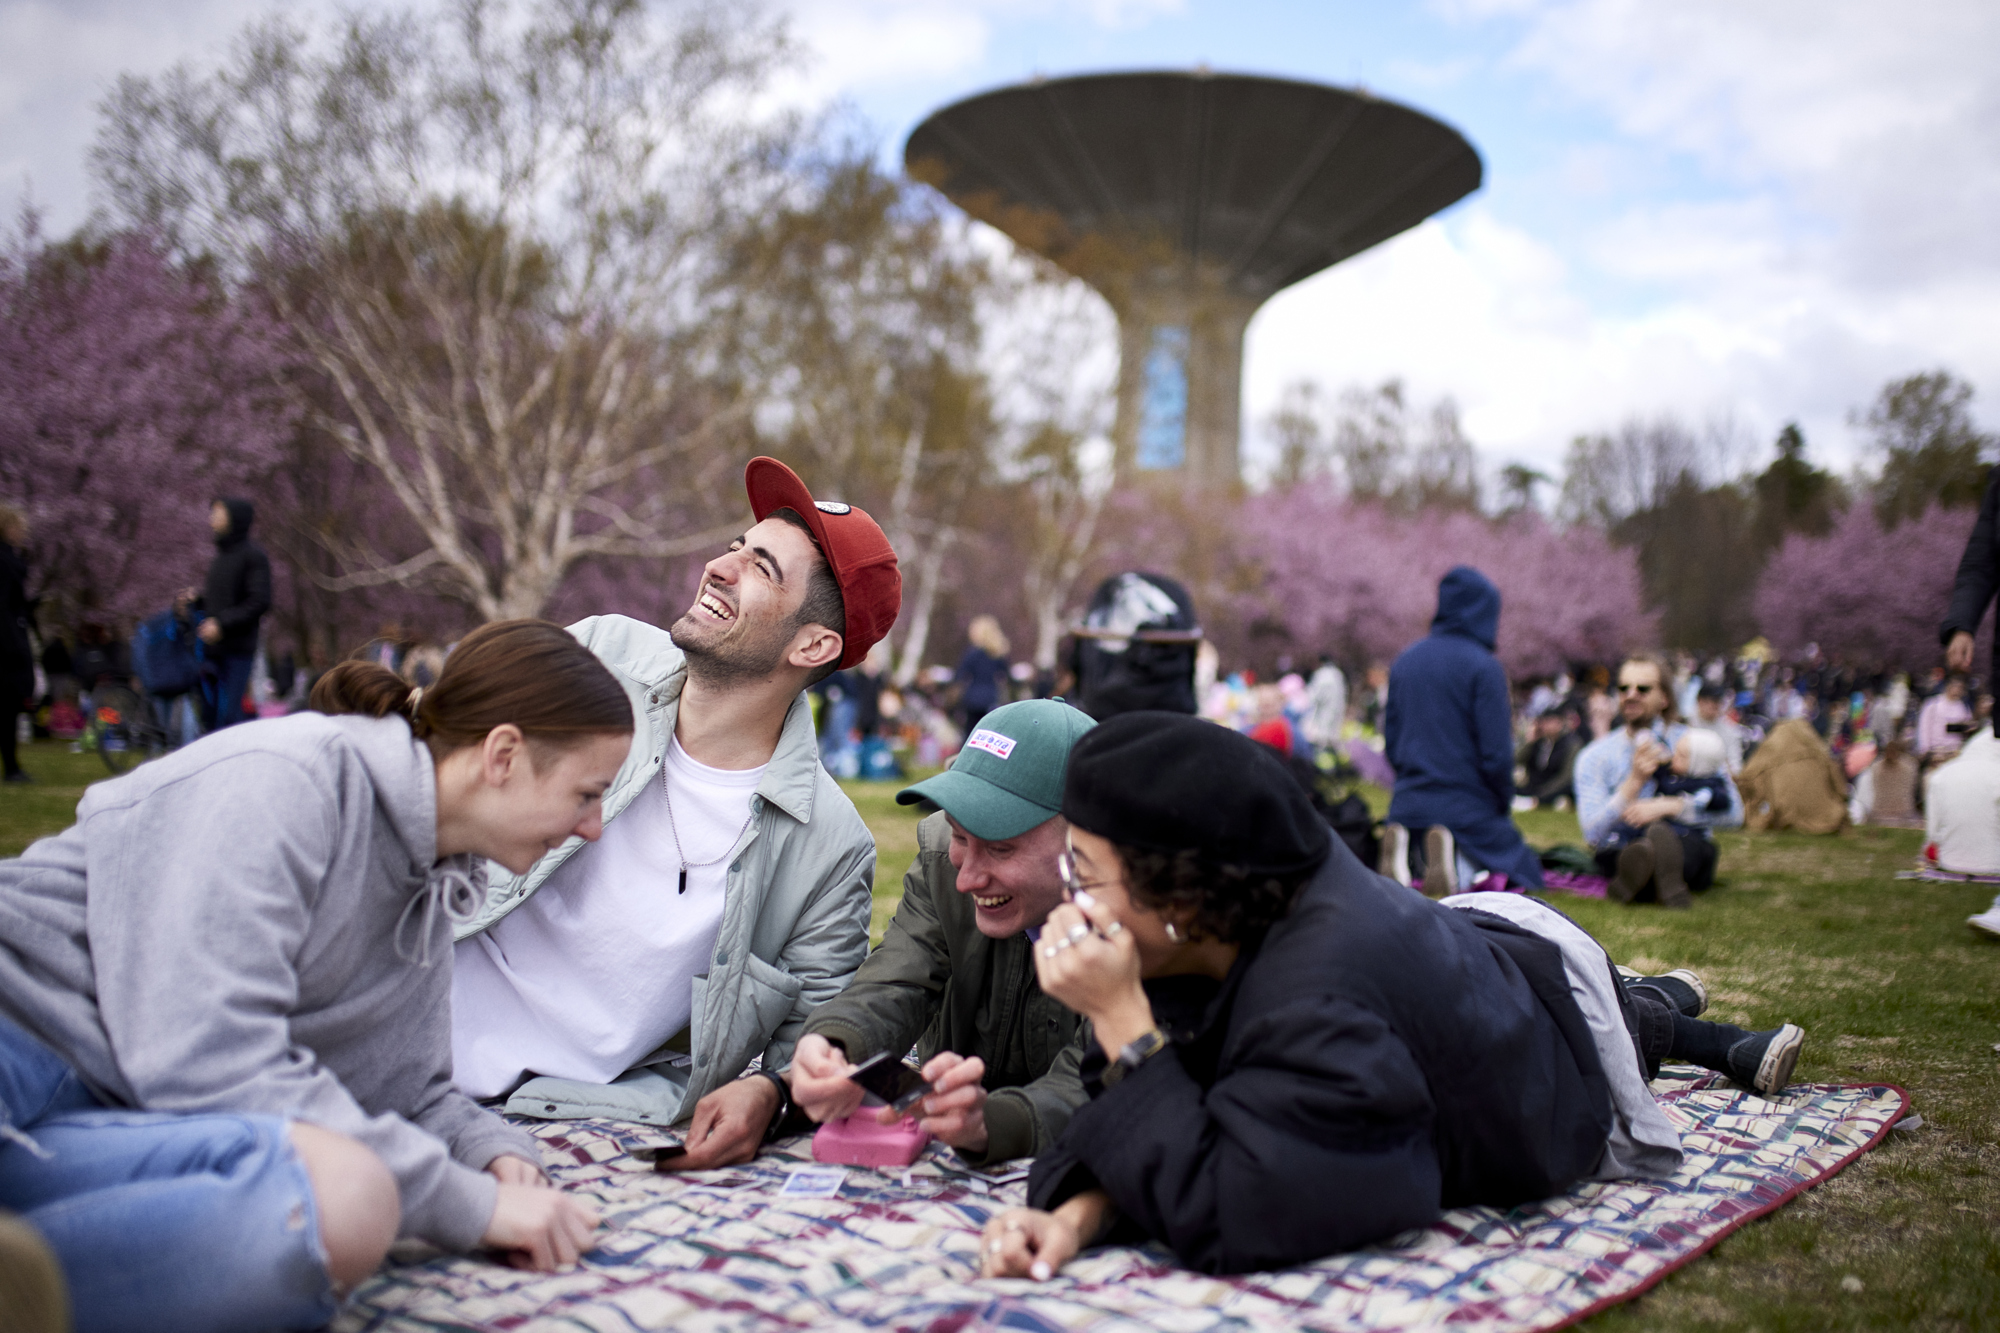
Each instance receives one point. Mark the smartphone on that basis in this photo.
(889, 1082)
(649, 1146)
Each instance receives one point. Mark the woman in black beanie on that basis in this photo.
(1296, 1056)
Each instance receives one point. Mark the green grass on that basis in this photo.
(47, 805)
(1884, 976)
(895, 830)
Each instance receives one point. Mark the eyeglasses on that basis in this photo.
(1066, 870)
(1634, 689)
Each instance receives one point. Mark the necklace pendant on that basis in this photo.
(684, 880)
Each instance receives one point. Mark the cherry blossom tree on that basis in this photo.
(1360, 581)
(1863, 594)
(136, 391)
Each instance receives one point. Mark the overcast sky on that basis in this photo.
(1727, 209)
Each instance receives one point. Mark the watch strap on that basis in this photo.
(784, 1111)
(1135, 1053)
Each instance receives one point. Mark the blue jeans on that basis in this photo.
(232, 679)
(201, 1222)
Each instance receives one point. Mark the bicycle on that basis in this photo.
(122, 729)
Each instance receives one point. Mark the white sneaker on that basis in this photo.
(1395, 859)
(1988, 921)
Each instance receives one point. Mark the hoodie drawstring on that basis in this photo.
(457, 888)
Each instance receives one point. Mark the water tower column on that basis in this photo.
(1180, 390)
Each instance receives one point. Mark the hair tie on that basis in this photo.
(416, 697)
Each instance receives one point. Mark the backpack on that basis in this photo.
(166, 654)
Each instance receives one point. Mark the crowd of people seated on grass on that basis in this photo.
(297, 984)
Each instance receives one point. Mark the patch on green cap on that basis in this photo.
(1008, 777)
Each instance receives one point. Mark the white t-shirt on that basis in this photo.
(597, 969)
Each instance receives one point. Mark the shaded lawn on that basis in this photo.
(1885, 977)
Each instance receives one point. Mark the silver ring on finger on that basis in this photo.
(1064, 943)
(1115, 928)
(1050, 951)
(1077, 932)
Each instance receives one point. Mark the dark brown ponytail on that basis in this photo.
(531, 673)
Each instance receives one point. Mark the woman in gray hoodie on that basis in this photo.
(225, 1035)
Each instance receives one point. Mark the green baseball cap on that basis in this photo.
(1008, 777)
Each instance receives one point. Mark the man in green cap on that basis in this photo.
(955, 973)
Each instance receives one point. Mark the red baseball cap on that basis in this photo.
(863, 562)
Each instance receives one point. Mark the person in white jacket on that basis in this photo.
(1962, 817)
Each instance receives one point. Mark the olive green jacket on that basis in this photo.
(939, 984)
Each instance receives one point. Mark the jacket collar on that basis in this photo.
(791, 778)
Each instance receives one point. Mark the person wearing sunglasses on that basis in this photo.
(1291, 1056)
(1648, 845)
(955, 972)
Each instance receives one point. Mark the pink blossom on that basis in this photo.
(1353, 578)
(135, 392)
(1870, 597)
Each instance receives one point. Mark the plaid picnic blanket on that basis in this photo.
(725, 1250)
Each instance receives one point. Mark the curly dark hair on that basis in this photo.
(1230, 904)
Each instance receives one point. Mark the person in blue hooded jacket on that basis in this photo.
(1451, 741)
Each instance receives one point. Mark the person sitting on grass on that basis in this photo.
(1962, 818)
(1694, 774)
(1647, 844)
(955, 973)
(225, 1019)
(1293, 1056)
(1548, 760)
(1449, 732)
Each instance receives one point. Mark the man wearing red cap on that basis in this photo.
(638, 977)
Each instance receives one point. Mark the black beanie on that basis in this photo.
(1167, 782)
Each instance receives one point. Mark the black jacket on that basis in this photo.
(238, 590)
(17, 616)
(1550, 766)
(1978, 574)
(1379, 1059)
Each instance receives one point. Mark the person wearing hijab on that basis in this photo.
(1293, 1056)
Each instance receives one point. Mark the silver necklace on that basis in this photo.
(674, 828)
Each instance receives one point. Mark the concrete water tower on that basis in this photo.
(1189, 200)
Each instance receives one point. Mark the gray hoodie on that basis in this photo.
(234, 927)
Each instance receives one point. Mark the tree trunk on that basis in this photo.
(930, 571)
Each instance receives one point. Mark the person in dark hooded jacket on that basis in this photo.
(233, 601)
(1289, 1056)
(1449, 728)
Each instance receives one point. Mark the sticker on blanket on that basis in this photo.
(814, 1182)
(992, 742)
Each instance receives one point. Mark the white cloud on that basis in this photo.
(57, 60)
(856, 43)
(1788, 204)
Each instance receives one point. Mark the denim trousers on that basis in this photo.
(202, 1222)
(232, 680)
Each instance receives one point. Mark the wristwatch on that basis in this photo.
(772, 1131)
(1135, 1053)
